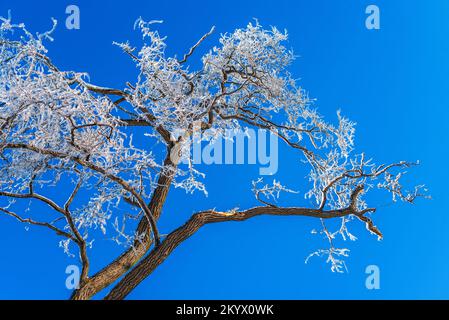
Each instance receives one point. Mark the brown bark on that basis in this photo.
(158, 255)
(129, 258)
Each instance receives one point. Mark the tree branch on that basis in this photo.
(158, 255)
(95, 168)
(130, 257)
(192, 49)
(58, 231)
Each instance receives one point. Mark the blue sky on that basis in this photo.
(392, 82)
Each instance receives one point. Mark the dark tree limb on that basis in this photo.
(158, 255)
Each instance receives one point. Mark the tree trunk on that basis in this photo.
(129, 258)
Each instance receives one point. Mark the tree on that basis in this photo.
(58, 129)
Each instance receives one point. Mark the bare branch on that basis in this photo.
(58, 231)
(158, 255)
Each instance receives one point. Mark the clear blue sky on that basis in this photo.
(393, 82)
